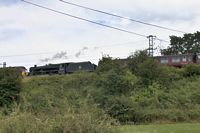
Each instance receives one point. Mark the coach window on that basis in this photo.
(163, 60)
(79, 67)
(189, 59)
(184, 59)
(176, 59)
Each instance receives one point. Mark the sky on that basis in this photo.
(32, 36)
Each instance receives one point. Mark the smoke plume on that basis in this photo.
(59, 55)
(81, 51)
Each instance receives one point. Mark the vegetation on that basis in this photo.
(55, 104)
(147, 92)
(120, 92)
(166, 128)
(188, 44)
(10, 85)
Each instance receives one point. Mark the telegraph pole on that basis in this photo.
(151, 45)
(4, 64)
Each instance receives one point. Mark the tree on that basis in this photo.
(136, 59)
(145, 67)
(108, 63)
(188, 44)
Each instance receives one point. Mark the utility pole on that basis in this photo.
(151, 45)
(4, 64)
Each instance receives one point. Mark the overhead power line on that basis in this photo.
(63, 13)
(90, 21)
(122, 17)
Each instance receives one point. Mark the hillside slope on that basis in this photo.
(54, 104)
(94, 102)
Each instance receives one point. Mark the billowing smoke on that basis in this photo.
(59, 55)
(96, 48)
(81, 51)
(45, 60)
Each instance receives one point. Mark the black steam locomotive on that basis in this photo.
(62, 68)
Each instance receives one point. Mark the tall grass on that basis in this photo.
(55, 104)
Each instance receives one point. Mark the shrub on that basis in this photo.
(192, 70)
(55, 104)
(107, 63)
(114, 83)
(10, 85)
(136, 59)
(146, 68)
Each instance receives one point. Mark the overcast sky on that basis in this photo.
(44, 37)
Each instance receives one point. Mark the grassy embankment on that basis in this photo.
(165, 128)
(98, 102)
(65, 104)
(54, 104)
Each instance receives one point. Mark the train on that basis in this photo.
(178, 60)
(62, 68)
(71, 67)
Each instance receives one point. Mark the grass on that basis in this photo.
(165, 128)
(55, 104)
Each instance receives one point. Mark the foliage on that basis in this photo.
(136, 59)
(148, 69)
(10, 86)
(189, 43)
(107, 63)
(151, 93)
(55, 105)
(192, 70)
(94, 102)
(114, 83)
(162, 128)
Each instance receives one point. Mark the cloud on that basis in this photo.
(11, 34)
(161, 16)
(8, 2)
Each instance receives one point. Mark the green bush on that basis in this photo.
(192, 70)
(10, 86)
(136, 59)
(146, 68)
(56, 104)
(114, 83)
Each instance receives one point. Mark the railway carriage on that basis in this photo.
(178, 60)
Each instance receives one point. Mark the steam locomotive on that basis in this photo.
(62, 68)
